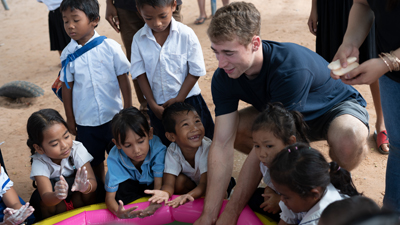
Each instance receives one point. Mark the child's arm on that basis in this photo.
(67, 100)
(271, 201)
(11, 199)
(197, 192)
(17, 216)
(45, 189)
(126, 90)
(187, 85)
(146, 89)
(118, 209)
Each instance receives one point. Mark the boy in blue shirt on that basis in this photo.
(95, 78)
(135, 163)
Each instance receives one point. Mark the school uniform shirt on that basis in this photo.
(266, 176)
(51, 4)
(121, 168)
(312, 216)
(5, 182)
(42, 165)
(175, 162)
(166, 67)
(96, 95)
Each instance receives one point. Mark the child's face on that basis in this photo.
(57, 143)
(157, 18)
(78, 26)
(189, 131)
(294, 201)
(266, 145)
(135, 147)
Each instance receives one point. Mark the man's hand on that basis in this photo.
(81, 182)
(123, 213)
(61, 188)
(112, 16)
(205, 220)
(14, 216)
(180, 200)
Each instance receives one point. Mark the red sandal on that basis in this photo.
(381, 139)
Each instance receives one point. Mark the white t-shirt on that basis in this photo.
(312, 216)
(96, 95)
(167, 67)
(266, 177)
(175, 162)
(43, 166)
(5, 182)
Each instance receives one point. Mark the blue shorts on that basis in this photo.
(96, 140)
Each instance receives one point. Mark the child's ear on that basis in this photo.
(174, 6)
(292, 140)
(151, 133)
(116, 144)
(95, 22)
(38, 149)
(316, 193)
(170, 136)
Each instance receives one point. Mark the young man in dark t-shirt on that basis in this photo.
(259, 72)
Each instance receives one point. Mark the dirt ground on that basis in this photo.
(25, 55)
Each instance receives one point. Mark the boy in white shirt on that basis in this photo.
(95, 79)
(167, 60)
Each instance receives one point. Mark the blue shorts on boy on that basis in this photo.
(121, 168)
(175, 162)
(96, 95)
(167, 66)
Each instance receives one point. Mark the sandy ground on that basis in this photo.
(25, 55)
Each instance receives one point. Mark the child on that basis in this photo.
(58, 37)
(95, 79)
(307, 184)
(349, 210)
(273, 130)
(60, 166)
(11, 209)
(135, 163)
(167, 61)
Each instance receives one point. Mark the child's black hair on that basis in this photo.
(130, 118)
(168, 116)
(154, 3)
(302, 168)
(349, 209)
(38, 122)
(281, 123)
(89, 7)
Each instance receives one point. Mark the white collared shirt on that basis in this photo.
(5, 182)
(266, 177)
(42, 165)
(166, 67)
(175, 162)
(51, 4)
(96, 95)
(312, 216)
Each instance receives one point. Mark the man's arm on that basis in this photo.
(220, 165)
(249, 178)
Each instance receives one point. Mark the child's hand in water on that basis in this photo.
(81, 182)
(159, 196)
(180, 200)
(61, 188)
(123, 213)
(17, 216)
(150, 210)
(271, 201)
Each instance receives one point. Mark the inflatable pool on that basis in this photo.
(185, 214)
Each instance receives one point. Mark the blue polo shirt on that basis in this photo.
(121, 168)
(291, 74)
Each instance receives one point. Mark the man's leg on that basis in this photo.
(244, 140)
(347, 138)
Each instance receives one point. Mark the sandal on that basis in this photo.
(200, 20)
(380, 139)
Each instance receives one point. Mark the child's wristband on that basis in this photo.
(90, 189)
(169, 194)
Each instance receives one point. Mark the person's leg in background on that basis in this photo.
(390, 100)
(380, 123)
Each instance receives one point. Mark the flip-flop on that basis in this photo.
(200, 20)
(380, 139)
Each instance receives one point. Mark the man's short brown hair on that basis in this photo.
(240, 19)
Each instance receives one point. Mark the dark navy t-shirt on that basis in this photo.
(291, 74)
